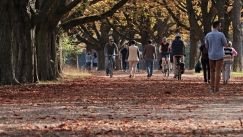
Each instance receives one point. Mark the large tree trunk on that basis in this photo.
(101, 59)
(236, 20)
(16, 54)
(193, 49)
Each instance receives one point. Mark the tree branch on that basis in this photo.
(75, 22)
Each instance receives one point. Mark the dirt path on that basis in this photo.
(122, 106)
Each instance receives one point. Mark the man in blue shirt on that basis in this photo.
(215, 42)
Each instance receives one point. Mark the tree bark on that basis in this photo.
(193, 49)
(16, 54)
(237, 34)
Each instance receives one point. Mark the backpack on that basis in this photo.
(198, 67)
(205, 53)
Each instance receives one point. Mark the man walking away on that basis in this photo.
(123, 58)
(149, 56)
(215, 41)
(178, 49)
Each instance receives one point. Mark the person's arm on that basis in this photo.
(160, 46)
(127, 54)
(138, 53)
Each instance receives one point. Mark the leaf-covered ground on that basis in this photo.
(122, 106)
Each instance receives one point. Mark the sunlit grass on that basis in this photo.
(69, 74)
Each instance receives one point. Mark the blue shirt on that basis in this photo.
(89, 58)
(216, 41)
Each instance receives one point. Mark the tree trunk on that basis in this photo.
(236, 20)
(16, 54)
(193, 50)
(101, 59)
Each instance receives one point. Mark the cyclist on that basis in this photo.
(178, 49)
(164, 50)
(110, 49)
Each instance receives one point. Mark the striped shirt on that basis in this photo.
(227, 54)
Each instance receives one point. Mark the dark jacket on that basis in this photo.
(177, 47)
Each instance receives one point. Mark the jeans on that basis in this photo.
(206, 69)
(138, 66)
(88, 65)
(226, 70)
(150, 66)
(215, 71)
(124, 64)
(107, 63)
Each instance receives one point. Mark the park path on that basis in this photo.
(122, 106)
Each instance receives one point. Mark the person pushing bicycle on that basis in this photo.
(178, 49)
(110, 50)
(164, 50)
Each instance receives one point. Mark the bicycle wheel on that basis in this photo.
(111, 69)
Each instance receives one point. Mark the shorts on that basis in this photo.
(94, 64)
(165, 55)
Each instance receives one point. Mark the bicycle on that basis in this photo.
(111, 69)
(179, 67)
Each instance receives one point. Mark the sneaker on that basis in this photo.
(174, 75)
(226, 82)
(211, 90)
(148, 76)
(216, 91)
(130, 76)
(107, 74)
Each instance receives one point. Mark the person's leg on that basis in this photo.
(204, 66)
(107, 64)
(224, 72)
(147, 66)
(130, 68)
(134, 65)
(152, 67)
(208, 68)
(163, 64)
(212, 64)
(114, 61)
(227, 71)
(174, 65)
(218, 67)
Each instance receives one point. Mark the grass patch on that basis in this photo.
(69, 74)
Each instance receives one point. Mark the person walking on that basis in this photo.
(110, 50)
(133, 58)
(203, 54)
(123, 58)
(149, 56)
(228, 59)
(215, 41)
(88, 60)
(95, 62)
(178, 48)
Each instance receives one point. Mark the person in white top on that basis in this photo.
(133, 58)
